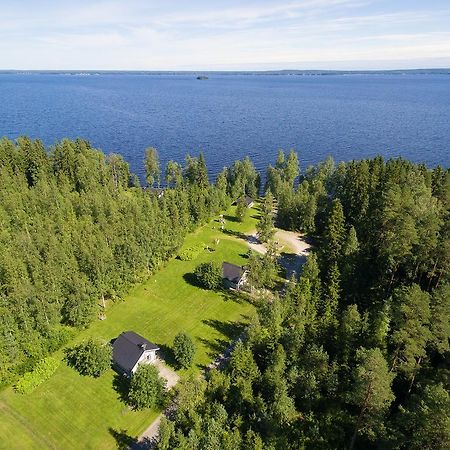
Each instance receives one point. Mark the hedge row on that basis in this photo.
(190, 253)
(43, 370)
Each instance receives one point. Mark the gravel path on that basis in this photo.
(291, 260)
(147, 439)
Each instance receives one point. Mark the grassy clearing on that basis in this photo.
(72, 412)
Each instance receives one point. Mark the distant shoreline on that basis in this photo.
(223, 72)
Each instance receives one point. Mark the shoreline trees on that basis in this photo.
(354, 353)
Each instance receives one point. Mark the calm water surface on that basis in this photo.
(229, 116)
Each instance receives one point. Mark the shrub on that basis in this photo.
(190, 253)
(147, 388)
(184, 350)
(209, 275)
(43, 370)
(90, 358)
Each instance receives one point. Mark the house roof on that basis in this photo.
(232, 272)
(248, 200)
(128, 348)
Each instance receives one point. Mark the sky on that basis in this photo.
(224, 34)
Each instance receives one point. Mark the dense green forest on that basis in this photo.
(354, 353)
(76, 230)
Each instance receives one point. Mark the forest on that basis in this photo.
(351, 353)
(77, 230)
(354, 353)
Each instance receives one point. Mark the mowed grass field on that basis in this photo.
(70, 411)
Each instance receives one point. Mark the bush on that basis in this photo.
(190, 253)
(147, 388)
(209, 275)
(43, 370)
(90, 358)
(184, 350)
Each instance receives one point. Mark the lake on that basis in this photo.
(230, 116)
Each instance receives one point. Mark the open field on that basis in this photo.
(72, 412)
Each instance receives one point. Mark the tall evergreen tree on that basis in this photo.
(152, 167)
(265, 226)
(371, 393)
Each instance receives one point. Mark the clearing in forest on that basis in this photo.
(71, 411)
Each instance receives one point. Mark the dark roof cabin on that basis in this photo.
(248, 201)
(158, 192)
(234, 276)
(130, 349)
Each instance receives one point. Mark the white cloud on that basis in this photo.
(142, 34)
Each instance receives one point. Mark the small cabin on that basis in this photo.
(157, 192)
(234, 277)
(249, 202)
(130, 350)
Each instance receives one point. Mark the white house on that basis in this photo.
(130, 350)
(233, 276)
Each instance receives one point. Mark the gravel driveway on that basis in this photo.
(296, 244)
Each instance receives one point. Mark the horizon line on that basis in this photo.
(229, 70)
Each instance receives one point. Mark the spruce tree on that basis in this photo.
(265, 226)
(371, 392)
(152, 168)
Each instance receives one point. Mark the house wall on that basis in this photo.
(148, 357)
(229, 284)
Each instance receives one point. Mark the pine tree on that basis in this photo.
(174, 174)
(334, 234)
(424, 420)
(371, 392)
(440, 322)
(152, 168)
(202, 172)
(241, 209)
(265, 226)
(411, 330)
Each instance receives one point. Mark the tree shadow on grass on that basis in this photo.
(121, 384)
(233, 296)
(231, 218)
(167, 355)
(215, 346)
(191, 279)
(228, 329)
(237, 234)
(123, 440)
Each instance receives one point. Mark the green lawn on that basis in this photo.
(73, 412)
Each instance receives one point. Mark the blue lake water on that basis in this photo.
(230, 116)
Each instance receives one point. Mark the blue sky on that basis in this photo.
(224, 35)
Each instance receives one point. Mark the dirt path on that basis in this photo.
(169, 375)
(294, 241)
(147, 439)
(295, 249)
(222, 358)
